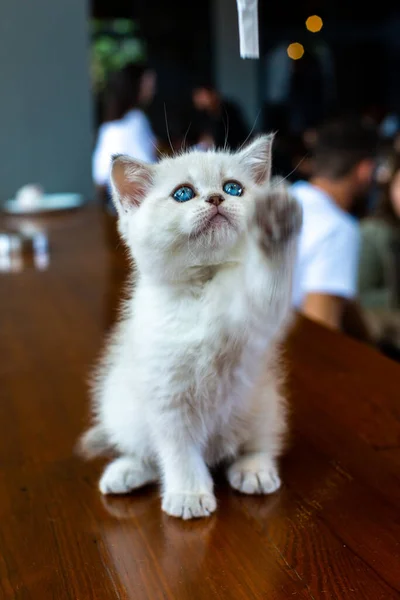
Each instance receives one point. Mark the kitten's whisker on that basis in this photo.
(282, 179)
(251, 131)
(226, 125)
(155, 147)
(184, 139)
(168, 134)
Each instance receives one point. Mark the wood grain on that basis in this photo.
(332, 532)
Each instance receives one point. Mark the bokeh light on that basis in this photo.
(314, 23)
(295, 50)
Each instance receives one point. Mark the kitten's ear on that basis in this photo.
(130, 181)
(257, 157)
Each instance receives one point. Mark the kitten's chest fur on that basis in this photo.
(195, 347)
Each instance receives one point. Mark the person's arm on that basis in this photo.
(325, 309)
(338, 313)
(330, 276)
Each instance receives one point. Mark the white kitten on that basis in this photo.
(190, 378)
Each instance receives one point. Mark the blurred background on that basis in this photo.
(83, 81)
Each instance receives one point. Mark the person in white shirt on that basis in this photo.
(127, 129)
(326, 273)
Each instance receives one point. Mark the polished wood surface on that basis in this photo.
(333, 531)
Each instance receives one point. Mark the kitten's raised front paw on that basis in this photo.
(124, 475)
(189, 506)
(278, 217)
(253, 476)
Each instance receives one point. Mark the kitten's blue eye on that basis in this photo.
(233, 188)
(183, 194)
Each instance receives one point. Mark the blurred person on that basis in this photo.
(126, 129)
(226, 123)
(326, 274)
(383, 166)
(380, 245)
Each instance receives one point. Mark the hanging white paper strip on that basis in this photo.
(248, 28)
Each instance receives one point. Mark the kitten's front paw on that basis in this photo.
(250, 478)
(189, 506)
(278, 218)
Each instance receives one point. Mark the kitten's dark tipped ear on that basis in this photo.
(130, 181)
(257, 157)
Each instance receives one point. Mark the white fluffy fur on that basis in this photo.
(191, 377)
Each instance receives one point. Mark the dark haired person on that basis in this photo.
(343, 166)
(225, 119)
(126, 129)
(379, 280)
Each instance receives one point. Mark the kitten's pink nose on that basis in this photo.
(215, 199)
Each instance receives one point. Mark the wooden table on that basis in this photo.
(333, 531)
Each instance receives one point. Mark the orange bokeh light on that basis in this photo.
(314, 23)
(295, 50)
